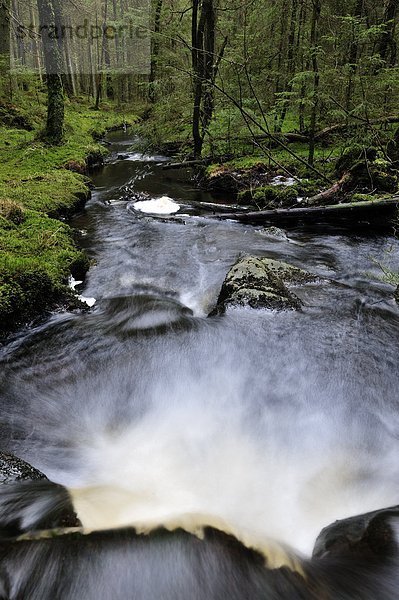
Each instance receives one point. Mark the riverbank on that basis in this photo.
(40, 187)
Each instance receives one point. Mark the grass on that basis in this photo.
(39, 184)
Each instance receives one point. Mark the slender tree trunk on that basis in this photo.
(203, 61)
(52, 61)
(71, 77)
(290, 59)
(197, 63)
(209, 62)
(353, 52)
(386, 47)
(155, 50)
(279, 86)
(36, 47)
(5, 83)
(314, 38)
(300, 38)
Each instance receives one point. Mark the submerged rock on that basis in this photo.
(14, 469)
(262, 283)
(275, 232)
(368, 535)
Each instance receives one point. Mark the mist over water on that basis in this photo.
(277, 423)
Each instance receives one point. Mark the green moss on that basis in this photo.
(362, 198)
(37, 185)
(11, 211)
(385, 182)
(352, 156)
(308, 187)
(270, 196)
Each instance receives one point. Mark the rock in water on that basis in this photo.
(14, 469)
(15, 473)
(368, 535)
(262, 283)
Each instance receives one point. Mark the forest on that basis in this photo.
(199, 299)
(244, 89)
(304, 89)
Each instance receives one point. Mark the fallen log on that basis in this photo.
(353, 210)
(217, 206)
(339, 127)
(327, 197)
(187, 163)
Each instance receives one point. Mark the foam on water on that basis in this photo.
(190, 430)
(160, 206)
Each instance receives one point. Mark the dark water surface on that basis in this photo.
(279, 423)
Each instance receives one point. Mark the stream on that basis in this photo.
(146, 408)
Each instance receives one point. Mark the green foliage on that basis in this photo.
(37, 251)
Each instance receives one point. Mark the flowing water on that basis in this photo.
(278, 423)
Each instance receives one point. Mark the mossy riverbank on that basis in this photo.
(39, 185)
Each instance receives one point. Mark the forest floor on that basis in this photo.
(40, 186)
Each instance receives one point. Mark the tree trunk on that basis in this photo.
(300, 38)
(197, 79)
(353, 52)
(290, 60)
(314, 37)
(204, 71)
(279, 87)
(155, 51)
(6, 91)
(387, 46)
(52, 61)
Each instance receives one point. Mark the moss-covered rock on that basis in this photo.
(362, 172)
(352, 156)
(262, 283)
(307, 188)
(384, 181)
(235, 176)
(24, 292)
(275, 232)
(270, 196)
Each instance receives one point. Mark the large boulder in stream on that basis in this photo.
(15, 472)
(366, 536)
(262, 283)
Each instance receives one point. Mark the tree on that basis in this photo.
(387, 45)
(203, 61)
(314, 40)
(49, 17)
(155, 50)
(5, 47)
